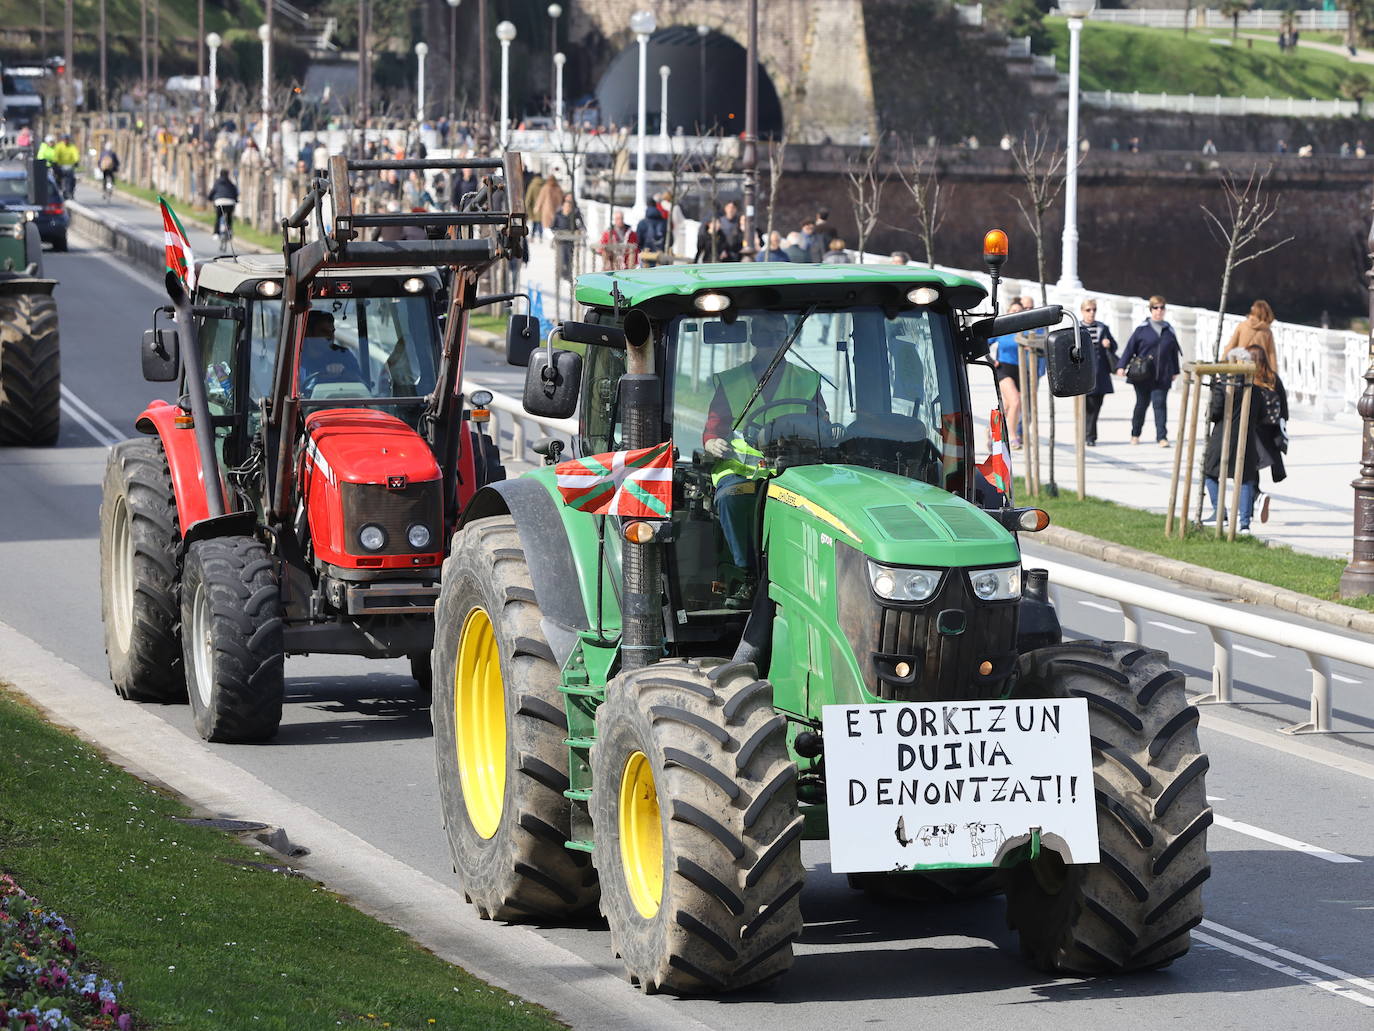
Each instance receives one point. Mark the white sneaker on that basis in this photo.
(1262, 509)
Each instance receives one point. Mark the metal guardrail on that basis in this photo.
(505, 408)
(1320, 646)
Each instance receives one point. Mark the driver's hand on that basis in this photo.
(719, 447)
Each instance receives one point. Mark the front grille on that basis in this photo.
(942, 666)
(395, 511)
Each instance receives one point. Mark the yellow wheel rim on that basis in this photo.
(479, 723)
(641, 836)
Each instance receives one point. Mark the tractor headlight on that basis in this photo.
(996, 584)
(418, 535)
(893, 583)
(372, 537)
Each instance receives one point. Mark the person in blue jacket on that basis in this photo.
(1156, 344)
(1006, 364)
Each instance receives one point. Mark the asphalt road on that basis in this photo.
(1290, 904)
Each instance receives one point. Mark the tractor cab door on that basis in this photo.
(224, 371)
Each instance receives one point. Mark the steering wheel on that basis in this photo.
(753, 422)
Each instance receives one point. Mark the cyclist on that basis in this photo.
(108, 163)
(66, 156)
(224, 195)
(47, 151)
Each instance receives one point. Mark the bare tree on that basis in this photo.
(777, 154)
(865, 186)
(1041, 168)
(717, 165)
(931, 197)
(1238, 226)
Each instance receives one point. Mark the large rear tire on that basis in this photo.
(499, 736)
(698, 835)
(1134, 909)
(139, 535)
(231, 614)
(30, 370)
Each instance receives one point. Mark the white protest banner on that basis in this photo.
(957, 783)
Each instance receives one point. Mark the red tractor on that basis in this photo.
(299, 494)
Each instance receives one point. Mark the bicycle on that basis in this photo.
(224, 223)
(107, 189)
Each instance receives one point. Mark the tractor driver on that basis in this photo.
(323, 360)
(739, 465)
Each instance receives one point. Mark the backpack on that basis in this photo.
(107, 163)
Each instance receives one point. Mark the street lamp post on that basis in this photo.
(505, 32)
(200, 66)
(1076, 11)
(265, 34)
(213, 41)
(702, 32)
(749, 159)
(642, 24)
(555, 10)
(483, 74)
(453, 59)
(559, 60)
(1358, 577)
(663, 72)
(421, 50)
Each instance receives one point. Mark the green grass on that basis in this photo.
(488, 323)
(1250, 557)
(177, 18)
(1126, 58)
(204, 217)
(199, 943)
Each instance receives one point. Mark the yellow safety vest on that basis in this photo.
(739, 384)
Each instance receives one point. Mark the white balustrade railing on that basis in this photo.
(1320, 646)
(1306, 21)
(510, 411)
(1218, 105)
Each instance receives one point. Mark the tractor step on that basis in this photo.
(585, 691)
(580, 846)
(579, 742)
(578, 794)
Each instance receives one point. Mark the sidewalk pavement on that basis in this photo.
(1311, 511)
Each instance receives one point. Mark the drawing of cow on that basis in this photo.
(983, 835)
(936, 833)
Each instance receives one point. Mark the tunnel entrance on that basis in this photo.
(705, 85)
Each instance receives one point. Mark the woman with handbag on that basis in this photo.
(1267, 405)
(1150, 362)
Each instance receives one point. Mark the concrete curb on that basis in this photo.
(1237, 587)
(126, 241)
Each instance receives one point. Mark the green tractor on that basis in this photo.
(30, 362)
(825, 632)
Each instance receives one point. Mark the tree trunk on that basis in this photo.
(1225, 289)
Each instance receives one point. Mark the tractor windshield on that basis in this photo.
(376, 347)
(856, 387)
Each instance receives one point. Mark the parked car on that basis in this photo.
(51, 216)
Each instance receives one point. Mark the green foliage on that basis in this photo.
(201, 938)
(1245, 556)
(1019, 18)
(1124, 58)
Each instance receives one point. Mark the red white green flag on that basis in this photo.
(180, 260)
(996, 468)
(637, 483)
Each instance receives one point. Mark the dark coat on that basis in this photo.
(1106, 358)
(652, 231)
(1211, 459)
(1267, 436)
(1164, 346)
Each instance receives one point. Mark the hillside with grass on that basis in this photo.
(1126, 58)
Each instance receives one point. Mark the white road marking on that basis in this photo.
(90, 420)
(1278, 839)
(1344, 984)
(1252, 651)
(1113, 609)
(1171, 626)
(1338, 678)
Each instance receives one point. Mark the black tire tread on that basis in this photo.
(30, 370)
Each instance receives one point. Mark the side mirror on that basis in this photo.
(551, 384)
(161, 355)
(1072, 368)
(522, 337)
(593, 335)
(1018, 322)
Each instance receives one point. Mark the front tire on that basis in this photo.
(1134, 909)
(698, 836)
(30, 370)
(139, 535)
(231, 615)
(499, 730)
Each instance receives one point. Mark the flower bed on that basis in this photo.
(42, 985)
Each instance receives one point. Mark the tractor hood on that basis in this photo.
(359, 445)
(893, 519)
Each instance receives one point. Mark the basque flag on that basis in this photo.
(636, 483)
(996, 468)
(180, 261)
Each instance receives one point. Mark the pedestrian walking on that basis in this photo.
(1149, 362)
(532, 189)
(732, 233)
(567, 222)
(1250, 466)
(836, 254)
(775, 250)
(652, 234)
(1106, 363)
(1006, 364)
(549, 202)
(711, 242)
(1257, 331)
(618, 250)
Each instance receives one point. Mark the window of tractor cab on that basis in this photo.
(217, 340)
(369, 347)
(856, 388)
(602, 368)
